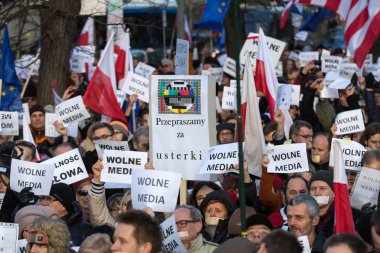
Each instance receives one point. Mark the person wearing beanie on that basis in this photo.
(234, 224)
(225, 133)
(258, 226)
(37, 127)
(238, 244)
(30, 95)
(216, 208)
(48, 236)
(120, 130)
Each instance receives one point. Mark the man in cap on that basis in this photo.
(258, 226)
(225, 133)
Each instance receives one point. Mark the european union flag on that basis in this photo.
(312, 21)
(214, 14)
(11, 86)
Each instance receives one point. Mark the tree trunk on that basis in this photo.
(58, 27)
(229, 25)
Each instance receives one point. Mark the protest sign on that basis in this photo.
(327, 92)
(1, 199)
(155, 189)
(77, 64)
(275, 49)
(221, 159)
(294, 56)
(306, 57)
(234, 84)
(368, 60)
(325, 53)
(330, 78)
(284, 96)
(72, 128)
(118, 165)
(301, 35)
(100, 146)
(144, 70)
(24, 113)
(349, 122)
(9, 123)
(171, 241)
(69, 167)
(22, 246)
(120, 96)
(351, 68)
(366, 188)
(182, 57)
(304, 241)
(71, 111)
(135, 84)
(288, 158)
(9, 237)
(296, 91)
(352, 153)
(340, 83)
(229, 98)
(182, 107)
(229, 67)
(39, 176)
(279, 69)
(331, 63)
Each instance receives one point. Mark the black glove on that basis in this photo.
(369, 80)
(26, 197)
(354, 79)
(367, 208)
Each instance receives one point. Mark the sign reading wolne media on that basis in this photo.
(288, 158)
(71, 111)
(182, 123)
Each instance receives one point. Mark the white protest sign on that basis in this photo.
(368, 60)
(221, 159)
(288, 158)
(182, 57)
(301, 35)
(229, 67)
(9, 123)
(118, 165)
(71, 111)
(276, 47)
(39, 176)
(306, 57)
(72, 128)
(69, 167)
(22, 246)
(349, 122)
(120, 96)
(155, 189)
(327, 92)
(171, 241)
(144, 70)
(296, 91)
(366, 188)
(284, 95)
(331, 63)
(234, 84)
(218, 73)
(294, 56)
(77, 64)
(325, 53)
(304, 241)
(86, 53)
(110, 145)
(1, 199)
(352, 153)
(8, 237)
(330, 78)
(279, 69)
(340, 83)
(135, 84)
(229, 98)
(25, 110)
(351, 68)
(205, 72)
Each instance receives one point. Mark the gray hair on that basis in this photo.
(195, 214)
(141, 131)
(309, 201)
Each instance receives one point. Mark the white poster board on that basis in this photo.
(22, 246)
(221, 159)
(100, 146)
(229, 67)
(229, 98)
(306, 57)
(9, 123)
(352, 154)
(72, 128)
(144, 70)
(135, 84)
(331, 63)
(366, 188)
(9, 237)
(171, 241)
(71, 111)
(284, 96)
(288, 158)
(349, 122)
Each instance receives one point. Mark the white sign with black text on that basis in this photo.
(171, 242)
(144, 70)
(8, 237)
(9, 123)
(366, 188)
(352, 153)
(221, 159)
(71, 111)
(349, 122)
(182, 57)
(101, 146)
(288, 158)
(135, 84)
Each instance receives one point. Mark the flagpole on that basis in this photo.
(239, 120)
(30, 73)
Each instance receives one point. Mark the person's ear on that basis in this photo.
(315, 220)
(146, 248)
(262, 249)
(198, 226)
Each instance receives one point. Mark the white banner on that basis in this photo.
(352, 153)
(155, 189)
(331, 63)
(221, 159)
(327, 92)
(8, 237)
(135, 84)
(9, 123)
(101, 146)
(144, 70)
(349, 122)
(71, 111)
(182, 57)
(39, 176)
(171, 241)
(306, 57)
(288, 158)
(366, 188)
(118, 165)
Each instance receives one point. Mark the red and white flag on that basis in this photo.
(344, 222)
(124, 60)
(265, 76)
(86, 37)
(186, 29)
(251, 123)
(27, 136)
(362, 19)
(100, 94)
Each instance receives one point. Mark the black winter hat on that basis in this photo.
(225, 126)
(238, 244)
(325, 176)
(259, 219)
(31, 90)
(36, 108)
(64, 194)
(221, 196)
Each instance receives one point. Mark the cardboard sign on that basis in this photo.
(71, 111)
(221, 159)
(304, 241)
(306, 57)
(284, 96)
(155, 189)
(366, 188)
(331, 63)
(229, 67)
(352, 154)
(276, 47)
(182, 57)
(8, 237)
(171, 241)
(229, 98)
(349, 122)
(351, 68)
(22, 246)
(69, 167)
(144, 70)
(9, 123)
(101, 146)
(72, 129)
(340, 83)
(279, 69)
(39, 176)
(118, 165)
(368, 60)
(288, 158)
(182, 108)
(135, 84)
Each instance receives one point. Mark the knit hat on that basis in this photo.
(6, 170)
(6, 150)
(118, 125)
(259, 219)
(325, 176)
(234, 224)
(224, 126)
(31, 90)
(220, 196)
(238, 244)
(64, 194)
(36, 108)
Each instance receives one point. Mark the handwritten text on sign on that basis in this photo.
(349, 122)
(366, 188)
(8, 123)
(118, 165)
(110, 145)
(221, 159)
(72, 110)
(288, 158)
(171, 241)
(135, 84)
(155, 189)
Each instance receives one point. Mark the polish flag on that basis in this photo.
(285, 13)
(57, 98)
(344, 222)
(100, 95)
(251, 123)
(27, 136)
(86, 37)
(265, 77)
(124, 60)
(186, 29)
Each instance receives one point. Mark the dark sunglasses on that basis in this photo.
(82, 193)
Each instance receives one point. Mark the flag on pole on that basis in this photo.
(344, 222)
(362, 19)
(124, 60)
(27, 136)
(100, 94)
(251, 122)
(86, 37)
(265, 76)
(56, 97)
(186, 29)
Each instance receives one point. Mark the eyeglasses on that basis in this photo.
(115, 209)
(82, 193)
(183, 223)
(103, 137)
(226, 134)
(48, 198)
(305, 136)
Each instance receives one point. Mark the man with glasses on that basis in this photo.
(189, 227)
(225, 133)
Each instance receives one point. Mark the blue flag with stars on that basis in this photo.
(213, 15)
(11, 86)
